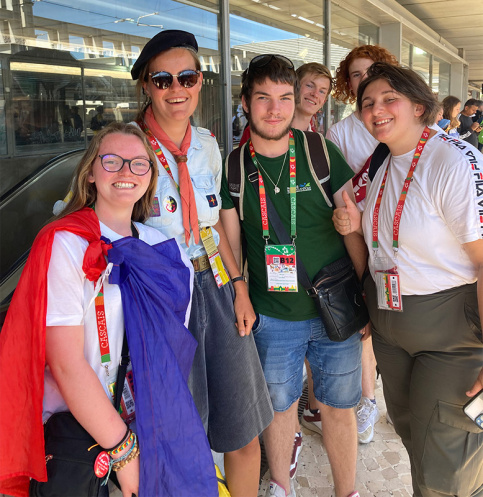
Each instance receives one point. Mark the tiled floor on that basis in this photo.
(382, 465)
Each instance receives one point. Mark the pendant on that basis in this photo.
(276, 189)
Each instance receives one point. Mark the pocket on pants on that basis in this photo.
(453, 451)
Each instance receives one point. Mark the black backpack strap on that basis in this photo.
(234, 170)
(378, 157)
(318, 159)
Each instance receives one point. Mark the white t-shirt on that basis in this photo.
(440, 214)
(355, 143)
(69, 297)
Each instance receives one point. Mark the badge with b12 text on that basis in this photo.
(221, 277)
(281, 262)
(127, 407)
(388, 285)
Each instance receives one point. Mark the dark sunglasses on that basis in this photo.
(263, 60)
(163, 80)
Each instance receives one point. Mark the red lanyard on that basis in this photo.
(102, 329)
(157, 150)
(293, 190)
(402, 198)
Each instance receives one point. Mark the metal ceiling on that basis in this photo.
(460, 22)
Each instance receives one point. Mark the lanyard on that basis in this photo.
(402, 198)
(102, 330)
(293, 190)
(157, 150)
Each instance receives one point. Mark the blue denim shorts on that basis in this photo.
(336, 366)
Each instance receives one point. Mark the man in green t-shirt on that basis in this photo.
(288, 327)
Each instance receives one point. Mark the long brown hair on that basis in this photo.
(84, 193)
(449, 103)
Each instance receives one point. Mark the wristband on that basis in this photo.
(239, 278)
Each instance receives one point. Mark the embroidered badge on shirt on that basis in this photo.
(155, 209)
(170, 204)
(212, 200)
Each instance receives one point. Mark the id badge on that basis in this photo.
(281, 263)
(388, 285)
(127, 407)
(219, 272)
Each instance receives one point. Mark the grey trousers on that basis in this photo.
(429, 355)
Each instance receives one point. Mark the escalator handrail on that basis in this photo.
(37, 172)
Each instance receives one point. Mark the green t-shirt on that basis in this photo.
(317, 243)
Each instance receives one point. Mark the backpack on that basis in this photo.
(317, 157)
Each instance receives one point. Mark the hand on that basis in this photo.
(366, 332)
(475, 126)
(129, 478)
(245, 315)
(347, 219)
(477, 386)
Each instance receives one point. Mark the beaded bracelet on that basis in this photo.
(119, 464)
(123, 445)
(123, 439)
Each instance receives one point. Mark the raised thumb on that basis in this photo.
(347, 200)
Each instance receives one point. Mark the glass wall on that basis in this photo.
(294, 29)
(421, 63)
(68, 66)
(347, 32)
(441, 78)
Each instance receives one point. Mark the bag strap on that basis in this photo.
(234, 171)
(278, 227)
(318, 160)
(377, 158)
(121, 372)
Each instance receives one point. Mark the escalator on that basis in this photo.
(24, 210)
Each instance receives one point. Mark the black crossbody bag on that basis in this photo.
(70, 452)
(336, 289)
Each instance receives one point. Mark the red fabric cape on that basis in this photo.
(22, 354)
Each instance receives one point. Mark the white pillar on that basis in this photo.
(390, 37)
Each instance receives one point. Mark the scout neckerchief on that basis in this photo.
(387, 280)
(185, 188)
(280, 259)
(188, 209)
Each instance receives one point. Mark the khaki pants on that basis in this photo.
(429, 355)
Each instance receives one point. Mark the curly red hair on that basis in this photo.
(342, 91)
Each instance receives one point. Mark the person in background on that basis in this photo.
(469, 129)
(478, 117)
(357, 145)
(226, 380)
(428, 336)
(289, 327)
(51, 340)
(451, 110)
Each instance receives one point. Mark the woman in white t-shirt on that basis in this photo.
(80, 324)
(423, 228)
(357, 145)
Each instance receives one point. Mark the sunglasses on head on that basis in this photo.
(163, 80)
(263, 60)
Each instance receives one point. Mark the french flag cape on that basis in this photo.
(175, 455)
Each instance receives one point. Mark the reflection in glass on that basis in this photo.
(3, 134)
(421, 62)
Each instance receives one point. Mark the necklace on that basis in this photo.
(276, 189)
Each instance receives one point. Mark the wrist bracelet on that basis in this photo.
(124, 444)
(239, 278)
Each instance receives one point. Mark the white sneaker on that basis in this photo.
(311, 419)
(274, 489)
(367, 415)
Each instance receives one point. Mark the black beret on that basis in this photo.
(165, 40)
